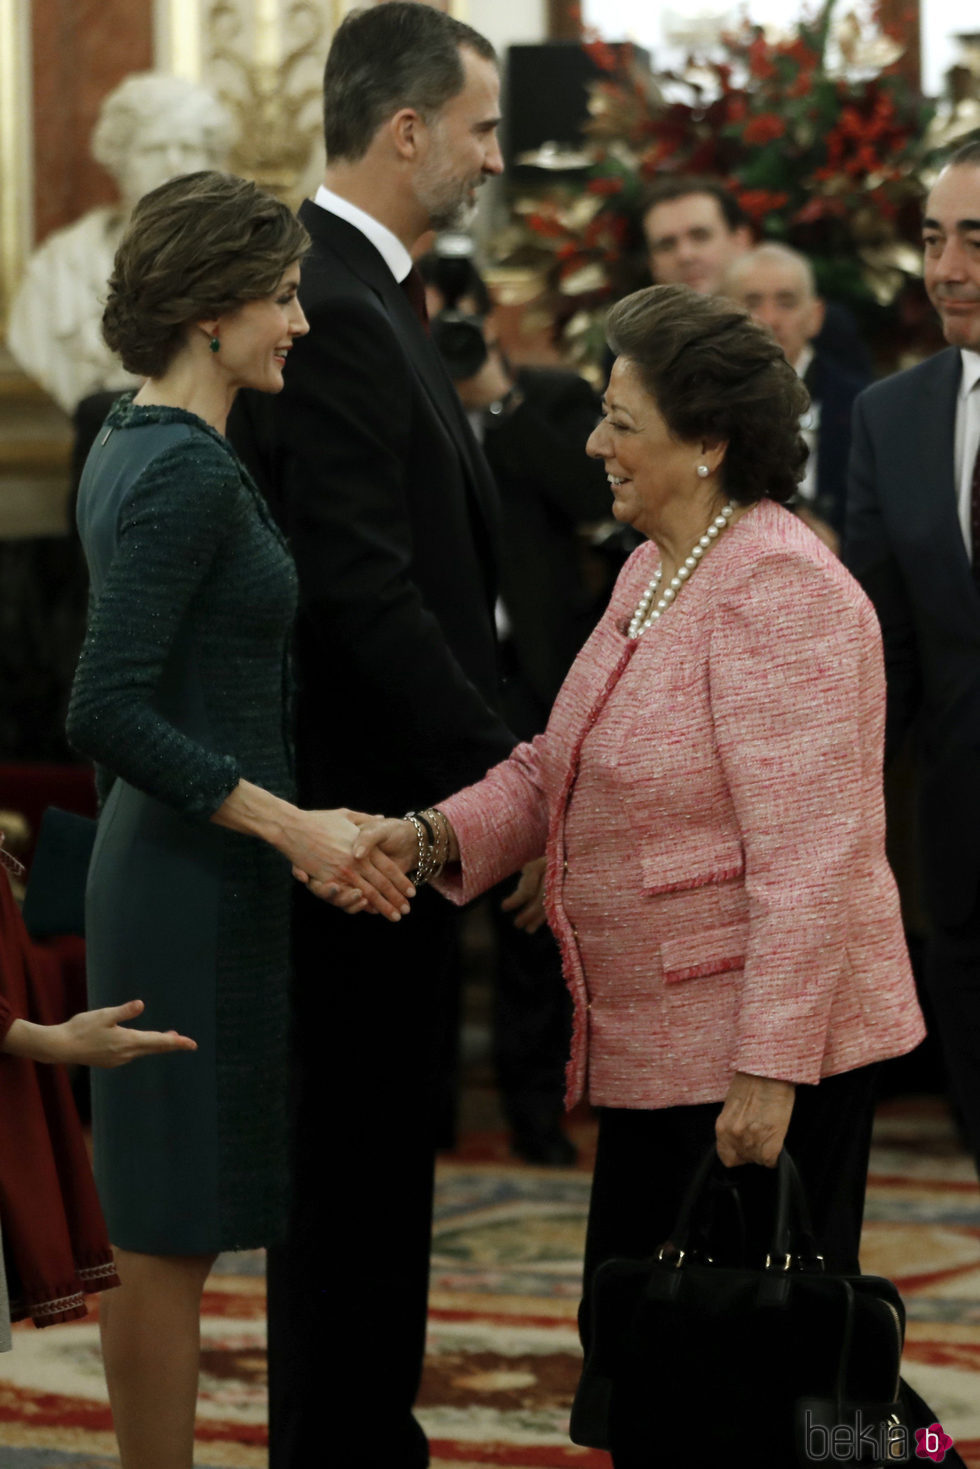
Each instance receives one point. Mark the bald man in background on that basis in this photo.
(777, 286)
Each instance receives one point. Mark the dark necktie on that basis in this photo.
(414, 287)
(975, 510)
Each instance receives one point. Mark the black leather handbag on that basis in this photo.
(775, 1363)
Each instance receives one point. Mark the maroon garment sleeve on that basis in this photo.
(54, 1235)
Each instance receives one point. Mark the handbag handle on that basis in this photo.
(792, 1237)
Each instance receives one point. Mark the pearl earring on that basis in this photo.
(214, 344)
(703, 471)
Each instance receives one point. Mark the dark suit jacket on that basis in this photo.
(549, 487)
(391, 513)
(904, 543)
(834, 389)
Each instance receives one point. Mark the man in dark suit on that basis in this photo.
(391, 513)
(913, 539)
(532, 423)
(776, 284)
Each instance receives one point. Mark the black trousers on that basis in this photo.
(644, 1162)
(953, 985)
(532, 1020)
(348, 1286)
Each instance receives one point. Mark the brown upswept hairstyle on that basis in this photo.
(715, 374)
(198, 246)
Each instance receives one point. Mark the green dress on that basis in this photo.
(182, 690)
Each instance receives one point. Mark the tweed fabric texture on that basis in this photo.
(711, 797)
(181, 691)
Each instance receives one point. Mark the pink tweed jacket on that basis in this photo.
(711, 799)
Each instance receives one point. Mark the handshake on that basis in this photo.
(362, 863)
(375, 864)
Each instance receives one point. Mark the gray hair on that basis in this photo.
(150, 93)
(772, 253)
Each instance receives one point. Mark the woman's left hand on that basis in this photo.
(526, 902)
(751, 1126)
(93, 1038)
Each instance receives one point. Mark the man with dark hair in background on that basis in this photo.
(391, 512)
(694, 230)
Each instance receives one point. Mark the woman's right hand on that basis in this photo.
(391, 836)
(319, 846)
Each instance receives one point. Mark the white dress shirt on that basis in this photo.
(388, 246)
(967, 440)
(810, 431)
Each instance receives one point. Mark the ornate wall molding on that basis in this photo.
(265, 59)
(16, 168)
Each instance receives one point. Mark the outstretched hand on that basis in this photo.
(94, 1038)
(751, 1127)
(338, 867)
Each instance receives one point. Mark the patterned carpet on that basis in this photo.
(502, 1345)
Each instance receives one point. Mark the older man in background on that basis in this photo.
(776, 284)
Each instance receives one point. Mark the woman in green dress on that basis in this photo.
(182, 699)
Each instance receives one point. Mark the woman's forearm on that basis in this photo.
(256, 812)
(318, 845)
(35, 1042)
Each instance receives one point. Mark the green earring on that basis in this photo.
(214, 344)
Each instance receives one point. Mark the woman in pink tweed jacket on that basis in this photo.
(709, 794)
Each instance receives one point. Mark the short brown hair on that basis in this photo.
(715, 374)
(682, 185)
(400, 54)
(198, 246)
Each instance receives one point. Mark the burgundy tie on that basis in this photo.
(975, 517)
(414, 287)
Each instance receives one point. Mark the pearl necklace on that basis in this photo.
(647, 612)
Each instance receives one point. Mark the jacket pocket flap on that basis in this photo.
(697, 955)
(675, 868)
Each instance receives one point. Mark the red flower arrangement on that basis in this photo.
(825, 160)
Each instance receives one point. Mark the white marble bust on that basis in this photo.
(151, 128)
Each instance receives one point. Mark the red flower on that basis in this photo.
(757, 203)
(801, 53)
(764, 129)
(760, 61)
(545, 224)
(604, 186)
